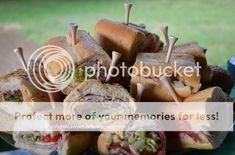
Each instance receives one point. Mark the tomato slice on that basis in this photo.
(56, 138)
(48, 138)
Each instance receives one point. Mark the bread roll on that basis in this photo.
(126, 39)
(154, 90)
(86, 52)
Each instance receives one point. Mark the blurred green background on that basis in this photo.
(210, 22)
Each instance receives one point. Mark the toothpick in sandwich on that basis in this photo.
(19, 53)
(127, 7)
(73, 31)
(172, 42)
(140, 90)
(115, 57)
(164, 30)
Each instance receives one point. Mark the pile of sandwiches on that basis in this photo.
(134, 45)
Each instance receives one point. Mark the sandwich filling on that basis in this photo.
(12, 95)
(40, 139)
(135, 143)
(99, 98)
(81, 71)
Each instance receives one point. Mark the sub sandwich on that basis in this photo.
(184, 85)
(132, 143)
(17, 87)
(128, 39)
(38, 142)
(86, 53)
(199, 140)
(95, 91)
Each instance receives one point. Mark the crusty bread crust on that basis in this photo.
(126, 39)
(97, 88)
(213, 94)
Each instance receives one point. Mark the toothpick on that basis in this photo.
(127, 7)
(140, 90)
(19, 53)
(164, 30)
(171, 46)
(166, 83)
(115, 57)
(73, 32)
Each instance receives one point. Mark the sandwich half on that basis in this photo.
(201, 140)
(86, 53)
(198, 53)
(132, 143)
(183, 84)
(95, 91)
(128, 39)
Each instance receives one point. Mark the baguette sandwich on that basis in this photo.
(86, 53)
(199, 140)
(128, 39)
(183, 84)
(38, 142)
(17, 87)
(132, 143)
(198, 53)
(95, 91)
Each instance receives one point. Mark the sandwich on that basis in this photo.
(128, 39)
(184, 85)
(38, 142)
(17, 87)
(68, 143)
(95, 91)
(86, 53)
(201, 140)
(198, 53)
(132, 143)
(76, 143)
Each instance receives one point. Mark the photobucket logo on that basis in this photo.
(143, 70)
(42, 64)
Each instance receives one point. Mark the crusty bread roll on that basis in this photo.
(126, 39)
(86, 52)
(199, 140)
(183, 85)
(198, 53)
(95, 91)
(16, 87)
